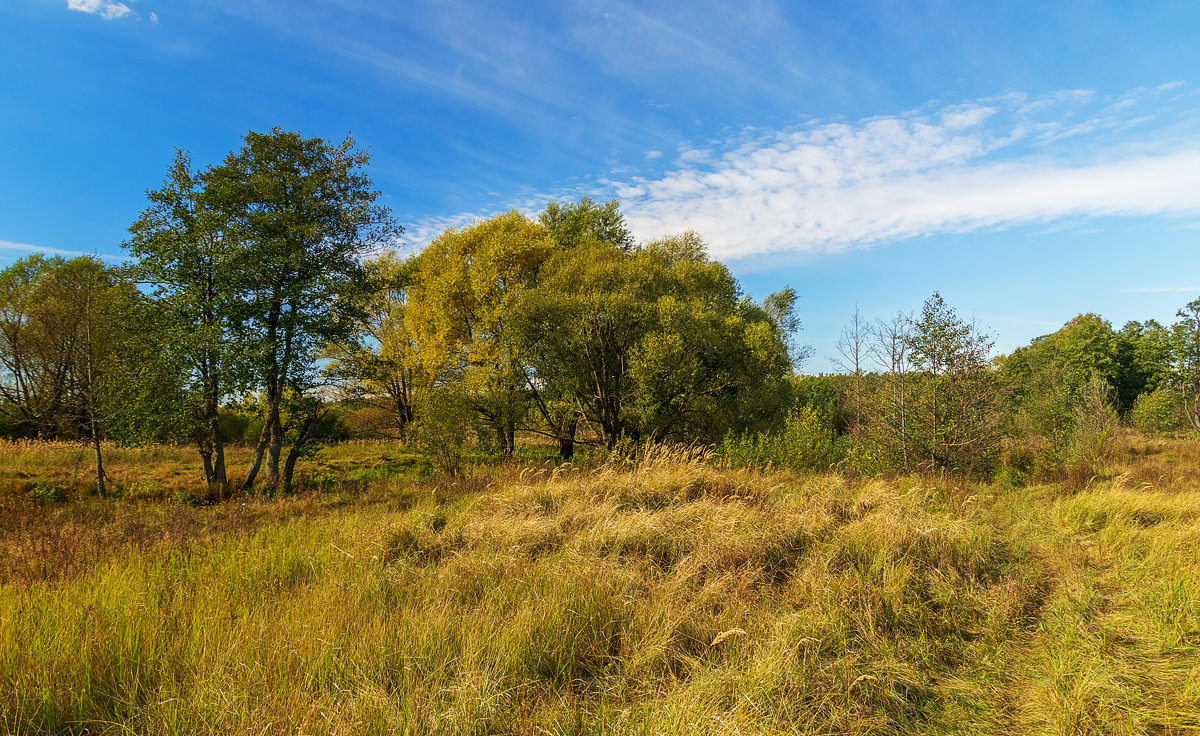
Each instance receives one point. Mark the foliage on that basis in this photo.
(806, 442)
(68, 333)
(44, 341)
(1156, 413)
(573, 224)
(935, 402)
(376, 370)
(443, 427)
(1094, 426)
(185, 249)
(466, 287)
(957, 396)
(653, 342)
(45, 492)
(1185, 344)
(1143, 361)
(303, 215)
(1132, 361)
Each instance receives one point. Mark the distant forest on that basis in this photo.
(261, 303)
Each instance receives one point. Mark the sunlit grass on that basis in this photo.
(660, 596)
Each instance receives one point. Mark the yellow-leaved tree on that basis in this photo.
(465, 286)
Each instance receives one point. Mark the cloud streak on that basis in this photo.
(1161, 290)
(106, 9)
(25, 249)
(829, 187)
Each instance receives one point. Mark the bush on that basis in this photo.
(442, 429)
(233, 426)
(1094, 427)
(804, 443)
(44, 493)
(1156, 413)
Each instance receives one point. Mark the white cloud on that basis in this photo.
(992, 163)
(827, 187)
(27, 249)
(1161, 290)
(107, 9)
(153, 17)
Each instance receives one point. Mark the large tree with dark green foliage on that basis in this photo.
(303, 215)
(1143, 353)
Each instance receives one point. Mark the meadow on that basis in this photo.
(664, 595)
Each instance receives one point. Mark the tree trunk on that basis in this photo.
(274, 451)
(219, 457)
(289, 466)
(100, 489)
(214, 469)
(566, 441)
(259, 451)
(509, 428)
(212, 452)
(206, 455)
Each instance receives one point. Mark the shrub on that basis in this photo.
(44, 492)
(1156, 413)
(1094, 427)
(804, 443)
(441, 432)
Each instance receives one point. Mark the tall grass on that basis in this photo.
(657, 595)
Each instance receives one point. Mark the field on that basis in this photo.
(666, 596)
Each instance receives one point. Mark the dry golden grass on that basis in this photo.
(161, 472)
(659, 596)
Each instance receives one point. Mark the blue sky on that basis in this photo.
(1030, 161)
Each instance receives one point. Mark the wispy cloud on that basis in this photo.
(23, 249)
(106, 9)
(996, 162)
(1161, 290)
(989, 163)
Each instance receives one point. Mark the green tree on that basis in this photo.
(957, 394)
(105, 305)
(40, 328)
(1156, 413)
(63, 327)
(1185, 350)
(572, 224)
(653, 341)
(184, 249)
(1143, 352)
(304, 215)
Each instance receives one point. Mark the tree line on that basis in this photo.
(264, 290)
(270, 276)
(924, 392)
